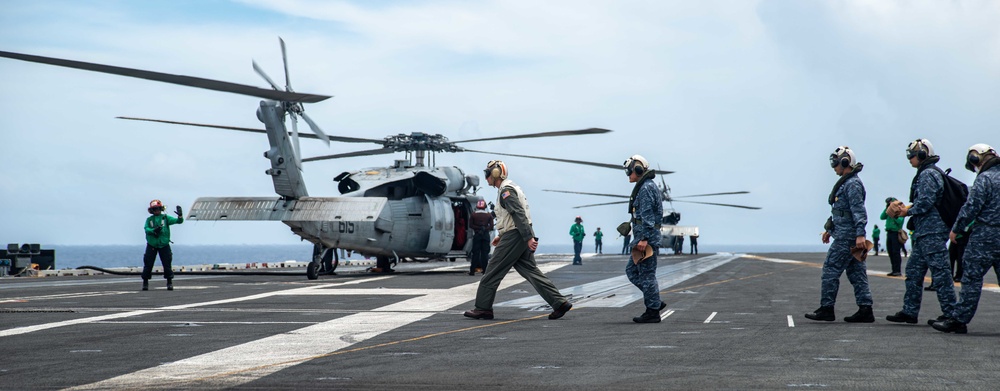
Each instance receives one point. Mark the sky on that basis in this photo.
(731, 95)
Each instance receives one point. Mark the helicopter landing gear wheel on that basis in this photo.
(312, 271)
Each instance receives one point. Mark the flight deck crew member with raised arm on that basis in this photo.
(847, 227)
(646, 207)
(515, 247)
(157, 229)
(930, 235)
(983, 250)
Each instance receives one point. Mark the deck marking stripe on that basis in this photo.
(791, 323)
(666, 314)
(710, 317)
(619, 292)
(45, 326)
(240, 364)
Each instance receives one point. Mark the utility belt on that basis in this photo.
(841, 212)
(638, 221)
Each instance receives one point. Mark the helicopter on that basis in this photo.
(670, 232)
(409, 210)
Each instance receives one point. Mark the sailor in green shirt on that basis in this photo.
(597, 240)
(892, 227)
(875, 235)
(157, 229)
(577, 232)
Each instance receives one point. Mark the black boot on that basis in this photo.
(864, 315)
(822, 313)
(145, 285)
(650, 316)
(901, 317)
(170, 285)
(950, 326)
(941, 318)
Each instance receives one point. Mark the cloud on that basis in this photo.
(732, 95)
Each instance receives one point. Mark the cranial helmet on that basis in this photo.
(156, 205)
(976, 155)
(636, 164)
(578, 219)
(921, 148)
(844, 157)
(481, 204)
(496, 169)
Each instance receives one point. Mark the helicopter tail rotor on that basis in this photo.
(293, 109)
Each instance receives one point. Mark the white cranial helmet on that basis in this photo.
(843, 156)
(975, 156)
(921, 148)
(634, 162)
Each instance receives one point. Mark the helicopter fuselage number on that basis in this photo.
(345, 227)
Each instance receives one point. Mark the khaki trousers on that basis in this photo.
(512, 252)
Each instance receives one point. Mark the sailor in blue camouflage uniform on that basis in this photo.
(930, 235)
(847, 227)
(982, 210)
(646, 207)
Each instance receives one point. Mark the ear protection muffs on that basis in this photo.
(975, 156)
(496, 169)
(637, 168)
(842, 157)
(635, 164)
(920, 148)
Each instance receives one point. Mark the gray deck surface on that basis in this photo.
(729, 329)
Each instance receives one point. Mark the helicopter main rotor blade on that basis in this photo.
(189, 81)
(370, 152)
(252, 130)
(593, 194)
(284, 59)
(606, 203)
(713, 203)
(318, 131)
(543, 134)
(605, 165)
(713, 194)
(257, 68)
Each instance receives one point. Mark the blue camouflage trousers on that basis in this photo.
(982, 253)
(838, 260)
(929, 252)
(643, 276)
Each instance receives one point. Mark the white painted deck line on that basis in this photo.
(710, 317)
(247, 362)
(45, 326)
(791, 323)
(619, 292)
(666, 314)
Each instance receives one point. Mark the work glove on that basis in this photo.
(179, 211)
(157, 231)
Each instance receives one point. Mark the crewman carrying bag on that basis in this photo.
(953, 196)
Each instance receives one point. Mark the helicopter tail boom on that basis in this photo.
(306, 209)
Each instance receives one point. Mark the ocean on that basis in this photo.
(108, 256)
